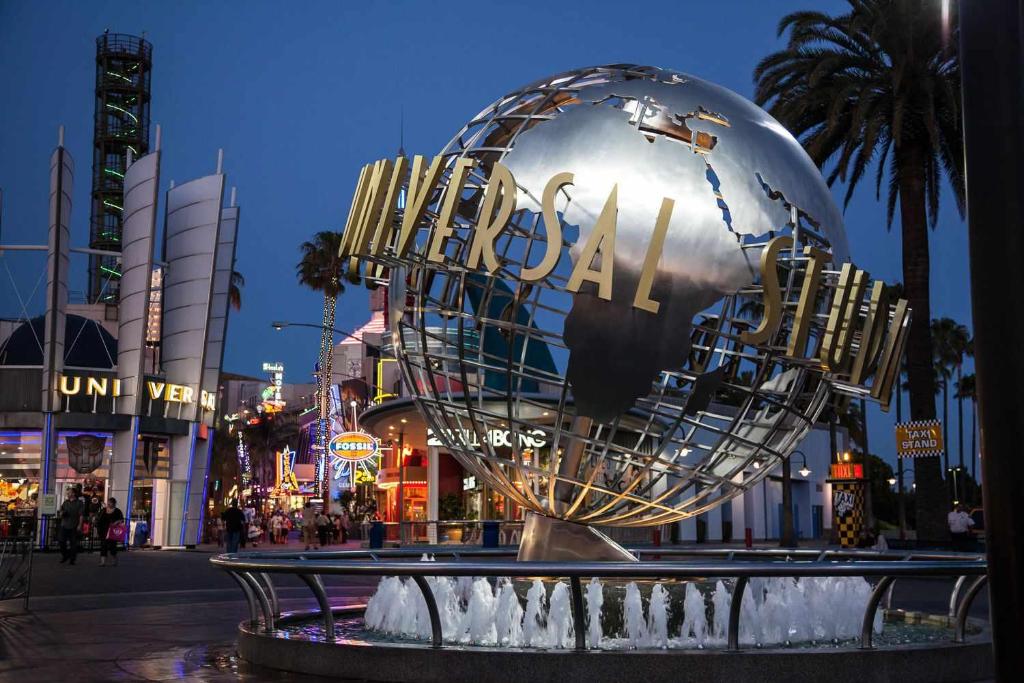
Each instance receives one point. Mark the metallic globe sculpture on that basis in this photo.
(621, 294)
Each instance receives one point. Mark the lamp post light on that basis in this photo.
(900, 497)
(804, 470)
(787, 537)
(956, 486)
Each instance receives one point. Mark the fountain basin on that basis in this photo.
(291, 642)
(298, 645)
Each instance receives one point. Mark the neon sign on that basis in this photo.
(354, 446)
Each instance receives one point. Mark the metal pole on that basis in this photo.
(786, 539)
(992, 70)
(401, 487)
(869, 500)
(901, 499)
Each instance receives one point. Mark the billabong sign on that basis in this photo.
(499, 438)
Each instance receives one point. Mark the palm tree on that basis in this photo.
(966, 387)
(949, 342)
(235, 290)
(320, 269)
(878, 88)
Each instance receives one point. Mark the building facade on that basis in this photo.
(118, 399)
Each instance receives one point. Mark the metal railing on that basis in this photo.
(252, 571)
(16, 570)
(447, 531)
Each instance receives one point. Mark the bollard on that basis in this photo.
(376, 535)
(748, 538)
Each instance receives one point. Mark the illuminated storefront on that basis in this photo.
(115, 397)
(431, 485)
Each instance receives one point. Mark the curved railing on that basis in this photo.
(252, 571)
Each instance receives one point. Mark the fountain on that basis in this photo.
(777, 611)
(572, 273)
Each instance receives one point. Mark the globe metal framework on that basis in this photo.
(647, 417)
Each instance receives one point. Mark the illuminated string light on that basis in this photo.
(123, 111)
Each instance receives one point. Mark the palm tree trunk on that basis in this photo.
(324, 399)
(931, 496)
(974, 439)
(960, 414)
(945, 423)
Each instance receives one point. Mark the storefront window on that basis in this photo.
(152, 462)
(83, 461)
(20, 458)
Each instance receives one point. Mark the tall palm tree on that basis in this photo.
(966, 387)
(967, 351)
(320, 269)
(878, 88)
(950, 340)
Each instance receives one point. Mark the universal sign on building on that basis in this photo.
(858, 309)
(88, 385)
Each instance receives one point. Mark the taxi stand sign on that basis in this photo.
(921, 439)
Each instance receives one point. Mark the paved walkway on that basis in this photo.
(165, 615)
(158, 616)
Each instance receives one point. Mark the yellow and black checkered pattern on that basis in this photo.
(848, 499)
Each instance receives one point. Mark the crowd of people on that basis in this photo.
(238, 527)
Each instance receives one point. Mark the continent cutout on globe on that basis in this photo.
(640, 145)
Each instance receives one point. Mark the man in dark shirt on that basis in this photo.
(70, 515)
(234, 524)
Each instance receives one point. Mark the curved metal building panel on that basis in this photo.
(190, 246)
(140, 202)
(62, 173)
(216, 337)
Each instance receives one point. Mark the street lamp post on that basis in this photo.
(900, 497)
(956, 484)
(787, 537)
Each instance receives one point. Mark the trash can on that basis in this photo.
(376, 534)
(490, 535)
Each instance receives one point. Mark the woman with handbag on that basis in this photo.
(110, 527)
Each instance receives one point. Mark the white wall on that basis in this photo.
(758, 508)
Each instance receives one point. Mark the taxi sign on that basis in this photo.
(354, 446)
(919, 439)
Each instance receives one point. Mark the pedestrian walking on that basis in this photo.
(346, 524)
(70, 514)
(110, 530)
(254, 533)
(323, 528)
(234, 524)
(960, 524)
(275, 528)
(309, 525)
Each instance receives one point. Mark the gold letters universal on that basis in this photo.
(859, 340)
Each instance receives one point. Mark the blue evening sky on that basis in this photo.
(301, 94)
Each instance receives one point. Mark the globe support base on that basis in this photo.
(546, 539)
